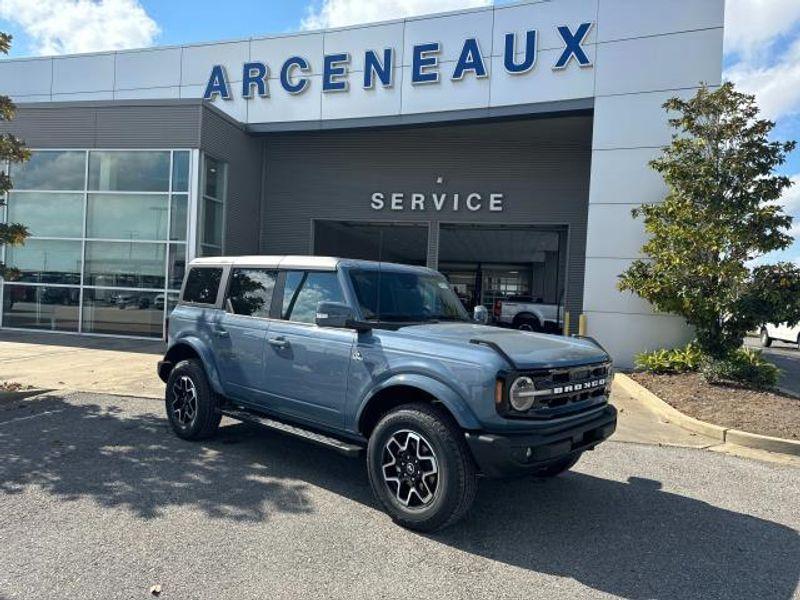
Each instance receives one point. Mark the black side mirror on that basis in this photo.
(338, 314)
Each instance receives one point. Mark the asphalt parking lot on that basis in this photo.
(99, 500)
(787, 358)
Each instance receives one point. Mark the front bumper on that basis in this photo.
(163, 369)
(504, 455)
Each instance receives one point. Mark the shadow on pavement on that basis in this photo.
(630, 539)
(135, 462)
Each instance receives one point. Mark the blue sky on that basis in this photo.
(762, 40)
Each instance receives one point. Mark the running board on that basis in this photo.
(320, 439)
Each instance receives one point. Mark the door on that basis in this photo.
(307, 366)
(240, 332)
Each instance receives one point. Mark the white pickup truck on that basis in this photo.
(781, 332)
(524, 312)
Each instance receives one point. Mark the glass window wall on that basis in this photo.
(212, 208)
(47, 214)
(41, 307)
(107, 251)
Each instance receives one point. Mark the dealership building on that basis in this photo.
(504, 146)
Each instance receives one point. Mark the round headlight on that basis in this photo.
(521, 394)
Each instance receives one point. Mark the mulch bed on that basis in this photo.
(767, 413)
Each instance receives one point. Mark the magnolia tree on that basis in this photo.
(11, 150)
(720, 215)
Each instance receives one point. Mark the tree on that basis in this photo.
(721, 213)
(11, 149)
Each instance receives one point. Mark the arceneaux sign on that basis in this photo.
(379, 66)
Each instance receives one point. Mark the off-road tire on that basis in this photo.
(766, 341)
(456, 481)
(206, 419)
(557, 468)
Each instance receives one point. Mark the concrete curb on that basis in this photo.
(723, 434)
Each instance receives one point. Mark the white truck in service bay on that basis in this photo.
(780, 332)
(527, 314)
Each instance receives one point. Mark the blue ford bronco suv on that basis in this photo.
(381, 358)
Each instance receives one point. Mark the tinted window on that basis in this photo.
(405, 296)
(251, 292)
(303, 291)
(202, 285)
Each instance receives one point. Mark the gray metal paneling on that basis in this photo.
(227, 141)
(541, 166)
(108, 125)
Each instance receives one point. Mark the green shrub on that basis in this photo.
(746, 366)
(675, 360)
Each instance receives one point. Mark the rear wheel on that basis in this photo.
(558, 467)
(766, 341)
(527, 323)
(420, 468)
(191, 403)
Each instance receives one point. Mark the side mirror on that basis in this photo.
(338, 314)
(480, 314)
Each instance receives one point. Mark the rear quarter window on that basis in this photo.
(202, 285)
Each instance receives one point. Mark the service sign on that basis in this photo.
(520, 55)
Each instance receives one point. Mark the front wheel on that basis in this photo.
(191, 402)
(766, 341)
(420, 468)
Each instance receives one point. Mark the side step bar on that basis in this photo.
(247, 416)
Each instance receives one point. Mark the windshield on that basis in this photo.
(406, 297)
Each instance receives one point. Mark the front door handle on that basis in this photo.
(278, 342)
(219, 332)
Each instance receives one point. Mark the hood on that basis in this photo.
(527, 349)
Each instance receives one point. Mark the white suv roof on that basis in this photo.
(325, 263)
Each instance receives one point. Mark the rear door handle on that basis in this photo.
(278, 342)
(219, 332)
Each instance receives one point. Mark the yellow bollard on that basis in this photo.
(565, 331)
(582, 324)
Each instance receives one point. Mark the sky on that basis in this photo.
(762, 42)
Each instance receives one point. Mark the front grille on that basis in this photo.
(577, 388)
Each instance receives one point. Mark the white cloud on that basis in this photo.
(752, 28)
(752, 25)
(340, 13)
(70, 26)
(776, 85)
(791, 197)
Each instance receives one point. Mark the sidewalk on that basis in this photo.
(90, 364)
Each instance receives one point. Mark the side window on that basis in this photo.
(304, 290)
(202, 285)
(250, 291)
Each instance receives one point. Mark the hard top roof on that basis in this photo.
(317, 263)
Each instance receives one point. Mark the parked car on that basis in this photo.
(126, 299)
(528, 314)
(781, 332)
(381, 359)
